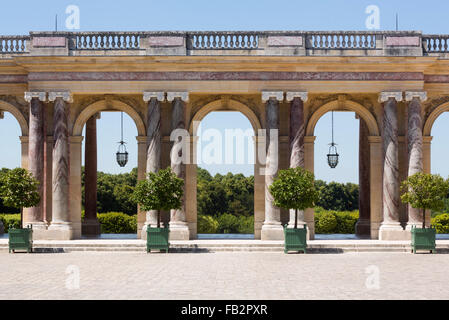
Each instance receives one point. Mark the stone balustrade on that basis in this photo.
(13, 44)
(287, 43)
(436, 43)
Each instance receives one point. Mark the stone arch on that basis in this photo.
(433, 116)
(345, 105)
(5, 106)
(225, 105)
(104, 105)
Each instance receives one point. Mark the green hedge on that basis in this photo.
(332, 222)
(225, 223)
(10, 220)
(117, 222)
(441, 223)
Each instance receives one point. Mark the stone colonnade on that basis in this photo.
(378, 163)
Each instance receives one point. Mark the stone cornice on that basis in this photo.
(277, 95)
(159, 95)
(421, 95)
(303, 95)
(184, 96)
(65, 95)
(41, 95)
(386, 95)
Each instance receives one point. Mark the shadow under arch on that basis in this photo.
(104, 105)
(220, 105)
(427, 130)
(5, 106)
(337, 105)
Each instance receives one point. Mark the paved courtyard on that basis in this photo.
(112, 275)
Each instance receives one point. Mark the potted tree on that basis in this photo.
(294, 188)
(160, 191)
(18, 189)
(425, 192)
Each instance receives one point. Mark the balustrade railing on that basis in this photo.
(436, 43)
(13, 44)
(341, 40)
(224, 40)
(107, 41)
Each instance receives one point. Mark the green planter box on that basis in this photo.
(423, 239)
(21, 239)
(295, 239)
(157, 238)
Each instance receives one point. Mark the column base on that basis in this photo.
(90, 227)
(393, 231)
(60, 231)
(272, 232)
(363, 228)
(179, 231)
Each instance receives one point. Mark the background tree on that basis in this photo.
(160, 191)
(425, 191)
(18, 189)
(294, 188)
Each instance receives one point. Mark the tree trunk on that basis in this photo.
(296, 218)
(423, 218)
(21, 218)
(159, 218)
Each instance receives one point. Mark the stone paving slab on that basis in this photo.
(105, 275)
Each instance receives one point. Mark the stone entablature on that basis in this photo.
(288, 43)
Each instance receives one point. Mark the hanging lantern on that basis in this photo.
(332, 156)
(122, 154)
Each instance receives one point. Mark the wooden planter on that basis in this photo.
(157, 238)
(21, 239)
(423, 239)
(295, 239)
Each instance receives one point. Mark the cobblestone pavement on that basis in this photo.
(232, 275)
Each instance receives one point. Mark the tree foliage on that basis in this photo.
(160, 191)
(425, 191)
(294, 188)
(338, 196)
(18, 189)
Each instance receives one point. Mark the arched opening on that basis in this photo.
(14, 128)
(343, 211)
(224, 151)
(435, 146)
(107, 209)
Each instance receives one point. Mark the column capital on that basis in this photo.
(410, 95)
(24, 139)
(65, 95)
(386, 95)
(159, 95)
(267, 95)
(184, 96)
(303, 95)
(41, 95)
(309, 139)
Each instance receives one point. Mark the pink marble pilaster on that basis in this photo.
(36, 150)
(91, 225)
(415, 146)
(363, 223)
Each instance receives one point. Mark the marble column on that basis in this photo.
(272, 228)
(153, 146)
(415, 147)
(297, 132)
(35, 215)
(390, 228)
(91, 225)
(362, 227)
(178, 225)
(60, 222)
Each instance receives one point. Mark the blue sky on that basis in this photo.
(20, 17)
